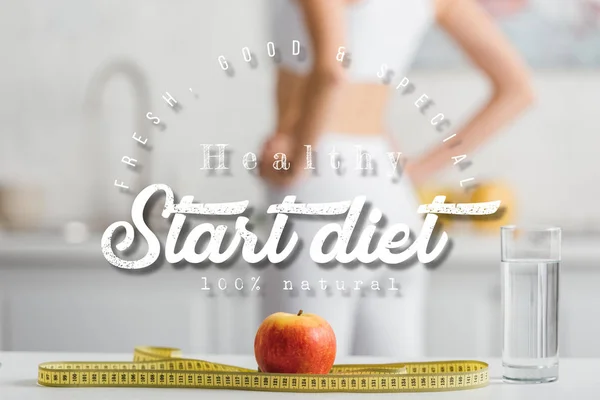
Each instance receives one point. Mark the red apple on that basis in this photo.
(295, 344)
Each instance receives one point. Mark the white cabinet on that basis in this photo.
(578, 319)
(90, 306)
(463, 314)
(95, 308)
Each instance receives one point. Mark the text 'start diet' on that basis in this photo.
(394, 237)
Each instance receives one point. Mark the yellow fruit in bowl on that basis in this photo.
(426, 194)
(493, 191)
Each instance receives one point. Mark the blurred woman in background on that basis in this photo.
(332, 108)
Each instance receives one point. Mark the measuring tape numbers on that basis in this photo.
(162, 367)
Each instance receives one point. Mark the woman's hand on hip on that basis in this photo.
(271, 156)
(416, 172)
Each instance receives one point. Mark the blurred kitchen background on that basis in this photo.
(78, 78)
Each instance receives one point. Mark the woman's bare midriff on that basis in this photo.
(360, 108)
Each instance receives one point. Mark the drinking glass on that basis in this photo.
(530, 263)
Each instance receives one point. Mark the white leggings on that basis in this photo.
(366, 321)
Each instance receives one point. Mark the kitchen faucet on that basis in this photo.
(99, 140)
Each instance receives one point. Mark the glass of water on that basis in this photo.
(530, 283)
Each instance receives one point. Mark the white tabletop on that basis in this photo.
(578, 380)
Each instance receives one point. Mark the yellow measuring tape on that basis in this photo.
(165, 368)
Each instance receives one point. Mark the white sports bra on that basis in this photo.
(377, 32)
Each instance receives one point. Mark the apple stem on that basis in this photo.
(299, 312)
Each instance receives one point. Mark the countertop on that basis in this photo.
(18, 374)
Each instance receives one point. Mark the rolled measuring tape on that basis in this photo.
(161, 367)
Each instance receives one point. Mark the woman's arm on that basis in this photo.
(479, 37)
(325, 23)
